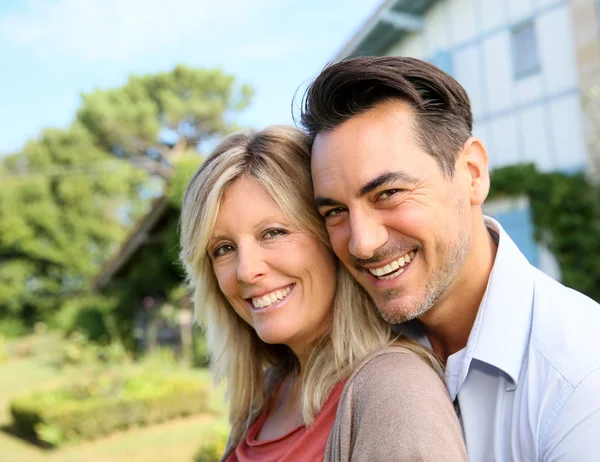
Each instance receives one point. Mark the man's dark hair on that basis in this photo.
(441, 106)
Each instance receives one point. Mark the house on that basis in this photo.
(527, 66)
(145, 232)
(144, 271)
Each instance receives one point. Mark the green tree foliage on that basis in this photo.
(163, 115)
(69, 197)
(182, 174)
(64, 206)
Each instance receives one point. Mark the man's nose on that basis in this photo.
(367, 234)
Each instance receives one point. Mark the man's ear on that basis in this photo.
(476, 161)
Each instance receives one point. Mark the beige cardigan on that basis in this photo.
(394, 407)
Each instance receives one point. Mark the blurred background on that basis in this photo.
(107, 108)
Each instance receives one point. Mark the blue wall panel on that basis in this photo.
(443, 60)
(518, 225)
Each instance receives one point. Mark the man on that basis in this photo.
(400, 182)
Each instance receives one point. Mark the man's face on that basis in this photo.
(400, 226)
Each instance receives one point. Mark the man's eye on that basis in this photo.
(334, 212)
(388, 193)
(222, 250)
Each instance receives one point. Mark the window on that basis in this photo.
(525, 51)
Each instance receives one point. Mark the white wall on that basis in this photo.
(530, 88)
(506, 145)
(557, 50)
(567, 131)
(533, 118)
(535, 125)
(498, 71)
(492, 15)
(461, 18)
(468, 71)
(519, 10)
(437, 29)
(547, 3)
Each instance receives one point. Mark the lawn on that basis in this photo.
(176, 440)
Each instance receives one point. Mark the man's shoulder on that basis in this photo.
(564, 329)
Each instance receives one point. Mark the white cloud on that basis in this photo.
(110, 30)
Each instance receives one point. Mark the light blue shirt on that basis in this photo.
(528, 381)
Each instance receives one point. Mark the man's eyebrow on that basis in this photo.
(387, 178)
(321, 201)
(381, 180)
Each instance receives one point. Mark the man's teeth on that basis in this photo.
(393, 266)
(266, 300)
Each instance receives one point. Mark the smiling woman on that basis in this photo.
(289, 330)
(277, 277)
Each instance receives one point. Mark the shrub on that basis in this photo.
(213, 446)
(87, 314)
(566, 213)
(200, 355)
(108, 403)
(12, 327)
(3, 355)
(77, 350)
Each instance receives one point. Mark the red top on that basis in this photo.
(302, 443)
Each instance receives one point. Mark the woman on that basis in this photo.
(293, 336)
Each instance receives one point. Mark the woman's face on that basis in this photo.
(279, 279)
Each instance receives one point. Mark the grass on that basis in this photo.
(176, 440)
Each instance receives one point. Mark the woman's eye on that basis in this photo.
(271, 233)
(222, 250)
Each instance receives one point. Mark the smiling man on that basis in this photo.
(400, 182)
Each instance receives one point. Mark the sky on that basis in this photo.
(53, 50)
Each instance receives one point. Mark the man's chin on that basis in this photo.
(397, 313)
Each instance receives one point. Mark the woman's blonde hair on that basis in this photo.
(278, 160)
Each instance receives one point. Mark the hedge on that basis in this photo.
(565, 210)
(213, 444)
(104, 406)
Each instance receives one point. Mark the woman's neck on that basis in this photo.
(285, 411)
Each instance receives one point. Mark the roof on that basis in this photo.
(138, 236)
(392, 20)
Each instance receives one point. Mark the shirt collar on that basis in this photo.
(505, 313)
(500, 333)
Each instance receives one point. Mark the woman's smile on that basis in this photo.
(272, 299)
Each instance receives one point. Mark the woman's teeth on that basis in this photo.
(268, 299)
(393, 266)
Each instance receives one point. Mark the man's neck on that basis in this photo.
(449, 323)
